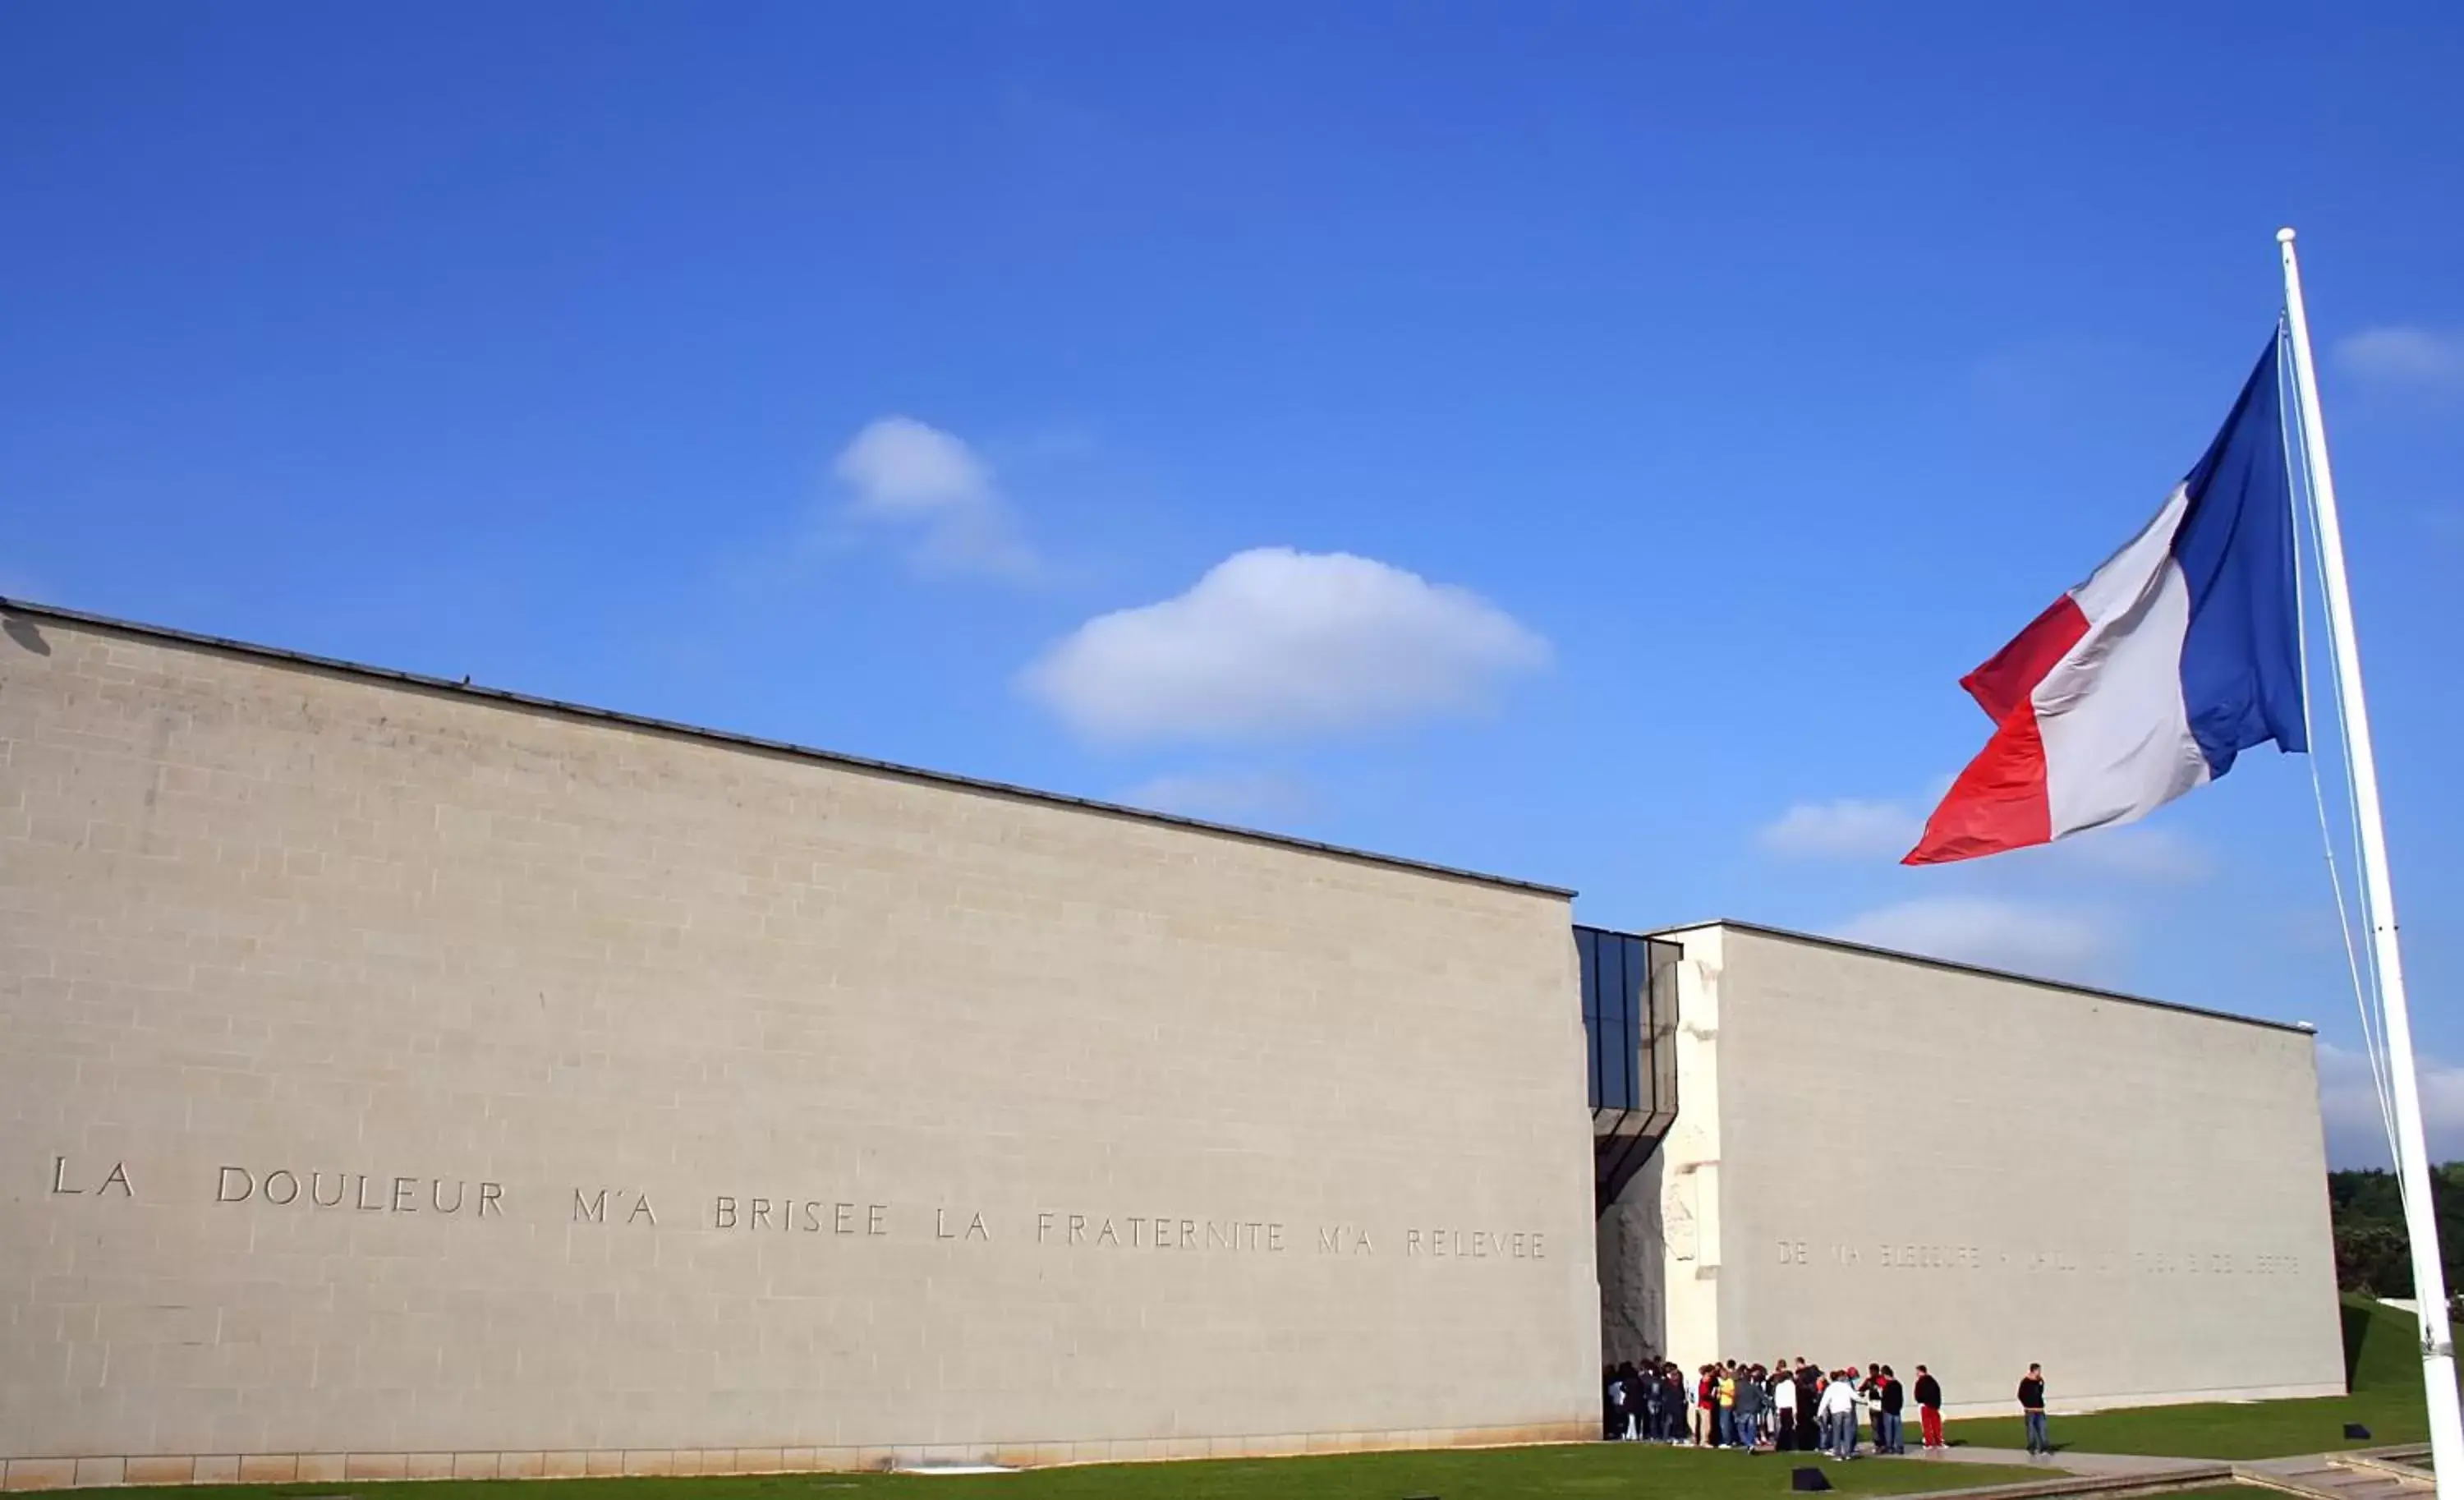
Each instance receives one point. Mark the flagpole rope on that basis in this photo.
(2373, 1048)
(2383, 1065)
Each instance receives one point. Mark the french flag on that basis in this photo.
(2144, 681)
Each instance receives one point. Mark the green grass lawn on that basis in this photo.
(2383, 1368)
(1585, 1471)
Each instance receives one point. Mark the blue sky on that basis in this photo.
(1582, 442)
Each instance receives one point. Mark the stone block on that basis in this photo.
(40, 1473)
(179, 1470)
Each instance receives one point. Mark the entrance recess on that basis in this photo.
(1630, 1029)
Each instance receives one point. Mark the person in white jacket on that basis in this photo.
(1838, 1414)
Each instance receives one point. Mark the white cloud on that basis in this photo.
(1277, 643)
(929, 483)
(2420, 359)
(1847, 827)
(2134, 851)
(1220, 796)
(2349, 1104)
(1884, 828)
(1996, 932)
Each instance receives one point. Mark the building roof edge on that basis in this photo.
(506, 698)
(1792, 935)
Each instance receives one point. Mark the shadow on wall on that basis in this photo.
(2357, 1333)
(24, 633)
(1633, 1271)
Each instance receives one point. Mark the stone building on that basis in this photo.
(402, 1078)
(1878, 1158)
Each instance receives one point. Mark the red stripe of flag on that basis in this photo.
(1999, 803)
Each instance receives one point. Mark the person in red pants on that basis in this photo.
(1929, 1395)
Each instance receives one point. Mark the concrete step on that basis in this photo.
(2334, 1477)
(2389, 1465)
(2192, 1475)
(2375, 1475)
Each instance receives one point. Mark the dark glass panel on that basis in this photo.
(1615, 1034)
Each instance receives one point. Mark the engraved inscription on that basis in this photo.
(1476, 1243)
(1930, 1257)
(1154, 1232)
(360, 1191)
(2039, 1260)
(795, 1216)
(975, 1229)
(604, 1205)
(594, 1208)
(116, 1178)
(1344, 1239)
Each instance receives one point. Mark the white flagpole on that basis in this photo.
(2413, 1155)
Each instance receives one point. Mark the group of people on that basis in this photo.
(1790, 1406)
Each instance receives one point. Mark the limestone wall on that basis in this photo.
(1919, 1163)
(396, 1081)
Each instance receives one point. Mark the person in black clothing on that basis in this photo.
(1613, 1399)
(2032, 1405)
(1929, 1394)
(1808, 1397)
(1894, 1397)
